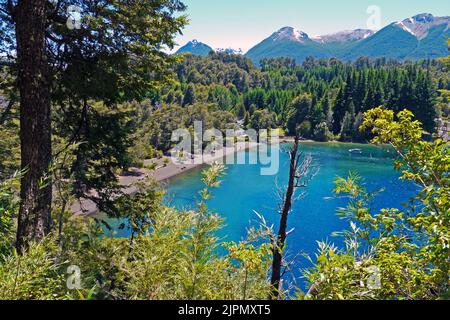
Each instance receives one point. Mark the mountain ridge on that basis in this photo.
(420, 36)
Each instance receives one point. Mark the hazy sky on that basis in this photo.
(244, 23)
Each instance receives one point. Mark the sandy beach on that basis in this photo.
(165, 169)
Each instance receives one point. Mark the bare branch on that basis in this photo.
(301, 171)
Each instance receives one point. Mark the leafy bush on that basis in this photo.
(35, 275)
(322, 133)
(409, 249)
(172, 255)
(9, 206)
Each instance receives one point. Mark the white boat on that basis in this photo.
(356, 151)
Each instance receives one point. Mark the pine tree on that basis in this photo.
(338, 111)
(246, 120)
(346, 133)
(189, 96)
(240, 111)
(424, 102)
(299, 111)
(108, 57)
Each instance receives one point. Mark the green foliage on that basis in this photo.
(172, 255)
(335, 89)
(97, 69)
(246, 121)
(189, 96)
(138, 209)
(322, 133)
(115, 99)
(298, 113)
(9, 141)
(347, 127)
(178, 258)
(240, 111)
(304, 129)
(157, 129)
(9, 206)
(105, 137)
(262, 120)
(194, 269)
(35, 275)
(409, 249)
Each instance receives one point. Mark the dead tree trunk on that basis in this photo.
(280, 240)
(34, 219)
(300, 172)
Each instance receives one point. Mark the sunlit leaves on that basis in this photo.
(411, 247)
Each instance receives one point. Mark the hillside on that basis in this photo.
(421, 36)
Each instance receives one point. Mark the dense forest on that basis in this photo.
(225, 90)
(269, 97)
(80, 106)
(323, 98)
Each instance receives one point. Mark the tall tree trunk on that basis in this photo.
(280, 240)
(34, 220)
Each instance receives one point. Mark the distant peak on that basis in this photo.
(195, 47)
(194, 42)
(419, 25)
(289, 33)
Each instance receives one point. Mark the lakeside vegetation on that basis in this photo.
(92, 108)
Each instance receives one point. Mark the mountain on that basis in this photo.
(340, 43)
(422, 36)
(420, 25)
(389, 42)
(196, 48)
(287, 42)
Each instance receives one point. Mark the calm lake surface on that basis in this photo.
(314, 218)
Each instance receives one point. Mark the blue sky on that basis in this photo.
(244, 23)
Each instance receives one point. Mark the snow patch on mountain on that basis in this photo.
(420, 25)
(345, 36)
(194, 43)
(402, 25)
(289, 33)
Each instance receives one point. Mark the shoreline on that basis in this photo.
(172, 170)
(291, 139)
(164, 171)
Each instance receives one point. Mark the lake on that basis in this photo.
(244, 190)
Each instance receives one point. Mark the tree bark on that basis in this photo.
(280, 240)
(34, 220)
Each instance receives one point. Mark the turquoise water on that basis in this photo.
(313, 218)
